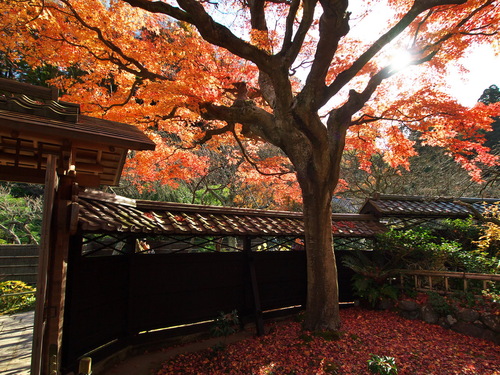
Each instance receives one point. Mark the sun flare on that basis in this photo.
(400, 60)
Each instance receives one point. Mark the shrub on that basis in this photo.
(453, 248)
(369, 290)
(20, 301)
(225, 324)
(372, 279)
(382, 365)
(439, 304)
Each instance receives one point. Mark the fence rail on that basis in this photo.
(19, 262)
(439, 281)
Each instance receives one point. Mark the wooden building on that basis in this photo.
(47, 141)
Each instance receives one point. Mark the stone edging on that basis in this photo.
(466, 321)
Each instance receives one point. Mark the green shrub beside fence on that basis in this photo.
(16, 296)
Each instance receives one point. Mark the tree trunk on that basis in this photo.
(322, 310)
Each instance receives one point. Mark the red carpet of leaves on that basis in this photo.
(418, 347)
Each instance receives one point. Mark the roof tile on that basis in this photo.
(100, 212)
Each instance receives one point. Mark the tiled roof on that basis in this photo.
(36, 125)
(412, 207)
(100, 212)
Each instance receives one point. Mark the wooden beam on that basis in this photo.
(51, 183)
(88, 180)
(40, 92)
(19, 174)
(259, 321)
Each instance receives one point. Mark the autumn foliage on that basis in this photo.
(418, 348)
(137, 67)
(305, 78)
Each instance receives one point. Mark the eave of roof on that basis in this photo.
(87, 129)
(35, 125)
(100, 212)
(424, 207)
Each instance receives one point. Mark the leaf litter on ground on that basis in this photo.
(418, 348)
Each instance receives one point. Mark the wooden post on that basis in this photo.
(56, 277)
(51, 183)
(85, 366)
(259, 321)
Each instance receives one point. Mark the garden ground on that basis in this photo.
(16, 336)
(418, 348)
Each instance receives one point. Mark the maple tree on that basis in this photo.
(302, 75)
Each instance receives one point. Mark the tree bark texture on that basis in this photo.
(322, 310)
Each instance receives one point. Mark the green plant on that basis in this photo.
(492, 299)
(225, 324)
(371, 291)
(465, 299)
(440, 304)
(20, 218)
(372, 279)
(16, 296)
(382, 365)
(452, 246)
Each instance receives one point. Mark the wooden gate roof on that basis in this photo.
(101, 212)
(35, 124)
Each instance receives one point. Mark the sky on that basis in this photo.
(483, 65)
(484, 71)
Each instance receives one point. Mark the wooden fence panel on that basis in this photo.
(282, 278)
(117, 297)
(19, 262)
(96, 304)
(168, 290)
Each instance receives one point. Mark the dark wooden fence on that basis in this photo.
(116, 301)
(19, 262)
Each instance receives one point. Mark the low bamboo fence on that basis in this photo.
(446, 282)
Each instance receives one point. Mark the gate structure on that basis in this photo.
(47, 141)
(141, 271)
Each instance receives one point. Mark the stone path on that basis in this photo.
(16, 336)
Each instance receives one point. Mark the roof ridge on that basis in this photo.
(423, 198)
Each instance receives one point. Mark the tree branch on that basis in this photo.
(253, 163)
(290, 21)
(255, 120)
(333, 25)
(434, 47)
(141, 70)
(210, 133)
(291, 48)
(127, 99)
(344, 77)
(213, 32)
